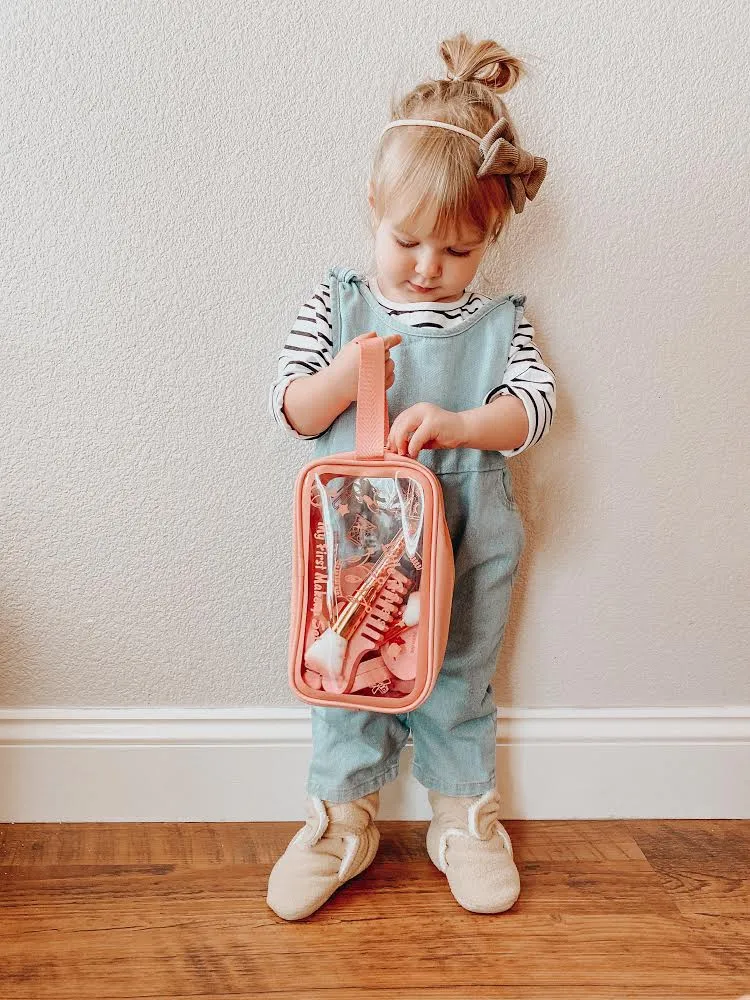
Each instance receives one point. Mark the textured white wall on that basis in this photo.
(177, 177)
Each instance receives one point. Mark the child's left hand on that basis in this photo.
(425, 425)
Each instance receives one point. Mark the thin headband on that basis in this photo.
(424, 121)
(523, 171)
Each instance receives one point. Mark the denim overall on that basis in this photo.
(454, 731)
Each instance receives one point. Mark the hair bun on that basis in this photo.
(483, 62)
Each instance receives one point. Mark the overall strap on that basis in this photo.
(372, 406)
(345, 274)
(337, 278)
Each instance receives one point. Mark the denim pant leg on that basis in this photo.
(454, 731)
(354, 752)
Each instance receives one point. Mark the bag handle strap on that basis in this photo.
(372, 405)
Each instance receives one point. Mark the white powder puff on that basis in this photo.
(411, 611)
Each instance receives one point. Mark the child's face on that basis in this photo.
(416, 267)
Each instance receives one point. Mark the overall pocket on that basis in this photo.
(504, 483)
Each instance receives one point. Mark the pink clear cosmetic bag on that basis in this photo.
(373, 567)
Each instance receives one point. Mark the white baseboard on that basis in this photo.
(142, 765)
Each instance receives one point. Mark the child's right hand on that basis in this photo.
(345, 366)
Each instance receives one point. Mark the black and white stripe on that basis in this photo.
(308, 349)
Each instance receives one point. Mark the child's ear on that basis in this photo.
(371, 194)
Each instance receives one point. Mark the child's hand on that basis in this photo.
(425, 425)
(345, 366)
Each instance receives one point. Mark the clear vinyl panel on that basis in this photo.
(365, 567)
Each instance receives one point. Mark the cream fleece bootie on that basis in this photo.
(468, 843)
(338, 841)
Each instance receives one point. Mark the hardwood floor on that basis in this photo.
(653, 910)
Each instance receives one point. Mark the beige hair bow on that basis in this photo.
(523, 171)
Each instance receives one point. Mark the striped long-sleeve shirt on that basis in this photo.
(308, 349)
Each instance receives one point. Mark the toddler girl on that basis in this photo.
(468, 389)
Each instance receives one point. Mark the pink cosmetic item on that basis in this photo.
(399, 687)
(400, 656)
(313, 679)
(370, 673)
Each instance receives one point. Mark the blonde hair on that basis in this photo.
(429, 174)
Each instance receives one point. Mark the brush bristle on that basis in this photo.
(326, 655)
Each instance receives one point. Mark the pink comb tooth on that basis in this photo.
(380, 617)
